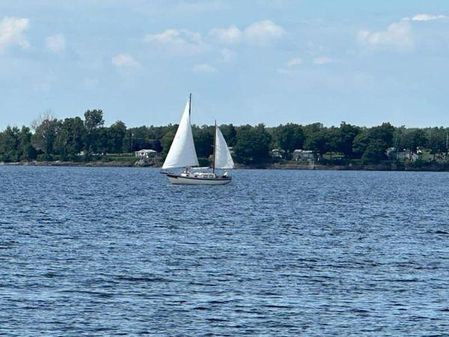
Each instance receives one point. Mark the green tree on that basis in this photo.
(371, 144)
(318, 142)
(360, 143)
(383, 132)
(147, 137)
(348, 133)
(253, 145)
(44, 136)
(102, 140)
(138, 138)
(332, 139)
(9, 144)
(69, 141)
(413, 139)
(117, 133)
(167, 140)
(316, 138)
(289, 137)
(93, 120)
(437, 140)
(375, 152)
(204, 140)
(26, 149)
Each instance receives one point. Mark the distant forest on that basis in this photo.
(77, 139)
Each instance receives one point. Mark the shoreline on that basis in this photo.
(275, 166)
(71, 164)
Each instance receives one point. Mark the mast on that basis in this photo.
(215, 148)
(190, 113)
(190, 104)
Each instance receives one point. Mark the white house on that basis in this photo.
(303, 155)
(145, 154)
(402, 155)
(277, 153)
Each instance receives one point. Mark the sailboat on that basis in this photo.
(182, 155)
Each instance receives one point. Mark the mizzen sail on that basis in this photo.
(223, 159)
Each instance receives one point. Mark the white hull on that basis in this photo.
(179, 180)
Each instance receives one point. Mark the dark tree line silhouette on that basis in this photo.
(77, 139)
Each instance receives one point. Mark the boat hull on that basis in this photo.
(181, 180)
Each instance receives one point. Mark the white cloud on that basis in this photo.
(12, 32)
(322, 60)
(258, 33)
(425, 17)
(204, 68)
(55, 43)
(226, 35)
(178, 41)
(263, 32)
(185, 42)
(398, 35)
(124, 61)
(294, 62)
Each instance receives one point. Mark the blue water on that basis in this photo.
(119, 251)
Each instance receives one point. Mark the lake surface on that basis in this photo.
(119, 251)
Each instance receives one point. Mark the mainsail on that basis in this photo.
(182, 151)
(223, 159)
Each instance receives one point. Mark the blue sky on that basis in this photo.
(253, 61)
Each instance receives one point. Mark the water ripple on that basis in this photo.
(118, 251)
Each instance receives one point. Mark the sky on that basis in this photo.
(245, 62)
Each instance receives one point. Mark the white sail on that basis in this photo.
(223, 159)
(182, 151)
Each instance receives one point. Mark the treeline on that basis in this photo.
(77, 139)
